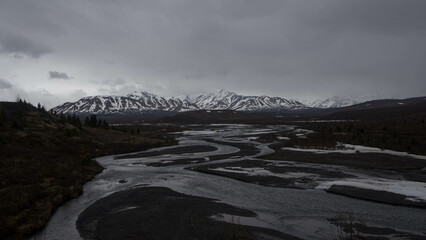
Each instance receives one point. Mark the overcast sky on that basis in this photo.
(57, 51)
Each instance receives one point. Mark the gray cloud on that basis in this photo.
(43, 96)
(58, 75)
(284, 48)
(5, 84)
(114, 82)
(376, 17)
(18, 44)
(122, 87)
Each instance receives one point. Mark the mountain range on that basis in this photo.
(142, 102)
(340, 101)
(139, 102)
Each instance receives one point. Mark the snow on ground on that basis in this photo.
(351, 149)
(166, 161)
(258, 132)
(305, 131)
(255, 171)
(262, 130)
(415, 191)
(392, 152)
(202, 132)
(125, 209)
(301, 135)
(230, 125)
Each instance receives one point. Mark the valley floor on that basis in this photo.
(247, 182)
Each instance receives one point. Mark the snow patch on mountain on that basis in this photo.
(138, 102)
(144, 101)
(340, 101)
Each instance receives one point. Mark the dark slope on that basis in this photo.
(45, 160)
(380, 109)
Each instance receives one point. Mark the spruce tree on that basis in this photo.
(93, 121)
(15, 124)
(76, 120)
(62, 118)
(1, 117)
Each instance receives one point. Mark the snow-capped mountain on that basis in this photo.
(232, 101)
(339, 101)
(132, 103)
(139, 102)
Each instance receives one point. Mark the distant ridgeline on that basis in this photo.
(144, 106)
(140, 102)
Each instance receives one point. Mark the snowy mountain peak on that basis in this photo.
(142, 101)
(340, 101)
(141, 94)
(224, 93)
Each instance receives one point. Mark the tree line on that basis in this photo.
(18, 118)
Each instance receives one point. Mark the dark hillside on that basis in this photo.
(380, 109)
(400, 132)
(45, 160)
(134, 118)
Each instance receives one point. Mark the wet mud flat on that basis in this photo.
(174, 150)
(161, 213)
(266, 173)
(244, 150)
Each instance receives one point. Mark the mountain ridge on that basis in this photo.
(340, 101)
(139, 102)
(142, 102)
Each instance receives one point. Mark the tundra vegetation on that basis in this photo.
(45, 159)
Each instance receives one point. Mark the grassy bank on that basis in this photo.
(45, 160)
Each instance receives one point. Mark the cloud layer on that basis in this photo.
(295, 49)
(5, 84)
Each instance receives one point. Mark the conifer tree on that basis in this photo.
(93, 121)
